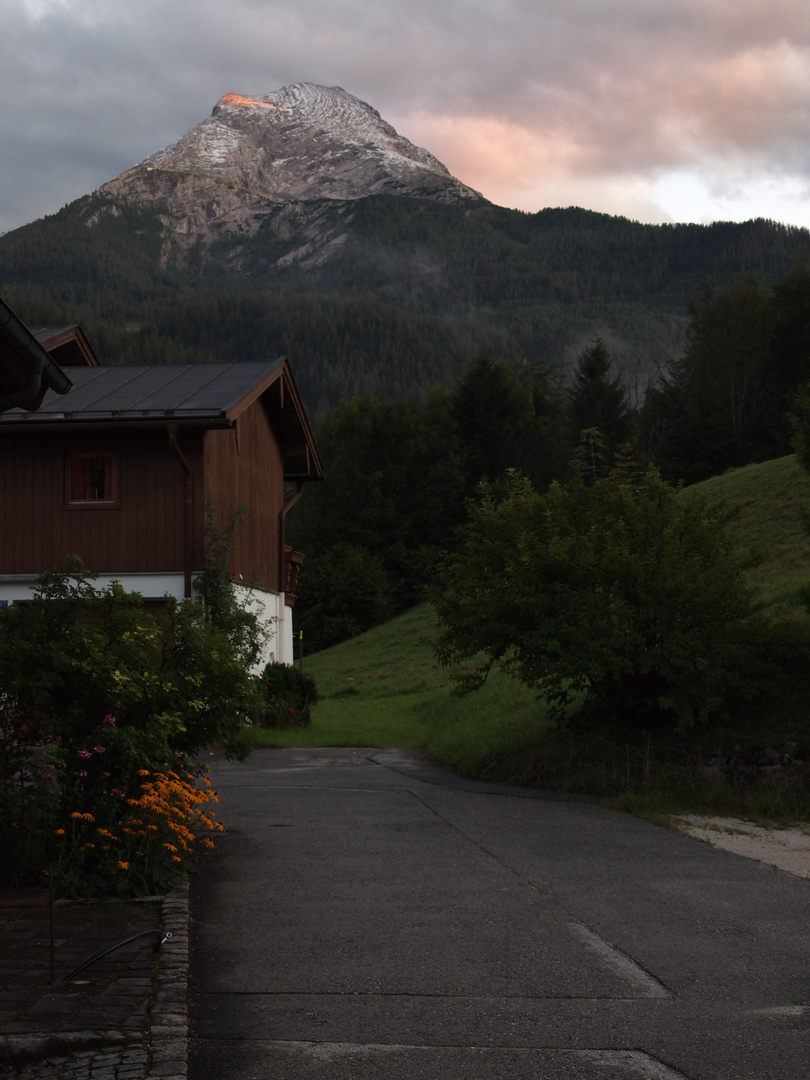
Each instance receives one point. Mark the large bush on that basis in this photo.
(616, 591)
(98, 698)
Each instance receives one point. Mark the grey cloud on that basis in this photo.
(91, 87)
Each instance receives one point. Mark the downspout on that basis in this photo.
(188, 510)
(282, 532)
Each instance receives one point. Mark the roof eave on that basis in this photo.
(34, 369)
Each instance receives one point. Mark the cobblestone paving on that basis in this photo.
(125, 1064)
(124, 1018)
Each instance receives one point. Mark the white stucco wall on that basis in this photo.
(276, 618)
(150, 586)
(274, 614)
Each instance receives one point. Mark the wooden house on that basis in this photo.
(118, 471)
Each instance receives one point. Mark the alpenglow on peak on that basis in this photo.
(304, 143)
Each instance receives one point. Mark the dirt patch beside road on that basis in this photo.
(788, 849)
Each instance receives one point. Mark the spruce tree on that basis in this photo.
(598, 400)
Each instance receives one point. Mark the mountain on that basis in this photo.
(291, 151)
(300, 223)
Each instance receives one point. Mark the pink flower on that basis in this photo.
(109, 719)
(99, 749)
(85, 754)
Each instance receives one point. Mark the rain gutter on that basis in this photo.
(37, 370)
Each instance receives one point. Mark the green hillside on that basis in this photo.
(384, 688)
(772, 501)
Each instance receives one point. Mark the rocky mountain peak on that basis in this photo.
(279, 159)
(302, 143)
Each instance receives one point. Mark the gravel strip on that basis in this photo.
(787, 849)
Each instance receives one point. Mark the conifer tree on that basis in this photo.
(598, 400)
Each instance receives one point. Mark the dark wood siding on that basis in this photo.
(243, 467)
(143, 532)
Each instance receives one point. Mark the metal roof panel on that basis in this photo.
(175, 390)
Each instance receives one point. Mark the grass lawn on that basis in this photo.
(772, 499)
(385, 688)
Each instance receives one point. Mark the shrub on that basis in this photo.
(95, 694)
(288, 696)
(616, 590)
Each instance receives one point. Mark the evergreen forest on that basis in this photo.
(405, 292)
(402, 474)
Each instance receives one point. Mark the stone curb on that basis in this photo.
(168, 1020)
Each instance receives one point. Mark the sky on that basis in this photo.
(659, 110)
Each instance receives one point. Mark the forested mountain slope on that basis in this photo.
(412, 291)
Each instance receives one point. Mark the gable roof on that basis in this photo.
(207, 394)
(67, 345)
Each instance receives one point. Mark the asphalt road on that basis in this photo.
(370, 918)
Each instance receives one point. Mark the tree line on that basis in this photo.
(401, 474)
(729, 399)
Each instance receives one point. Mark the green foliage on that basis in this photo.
(610, 589)
(801, 427)
(344, 591)
(598, 400)
(727, 401)
(373, 532)
(790, 339)
(504, 421)
(398, 474)
(289, 696)
(93, 692)
(218, 589)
